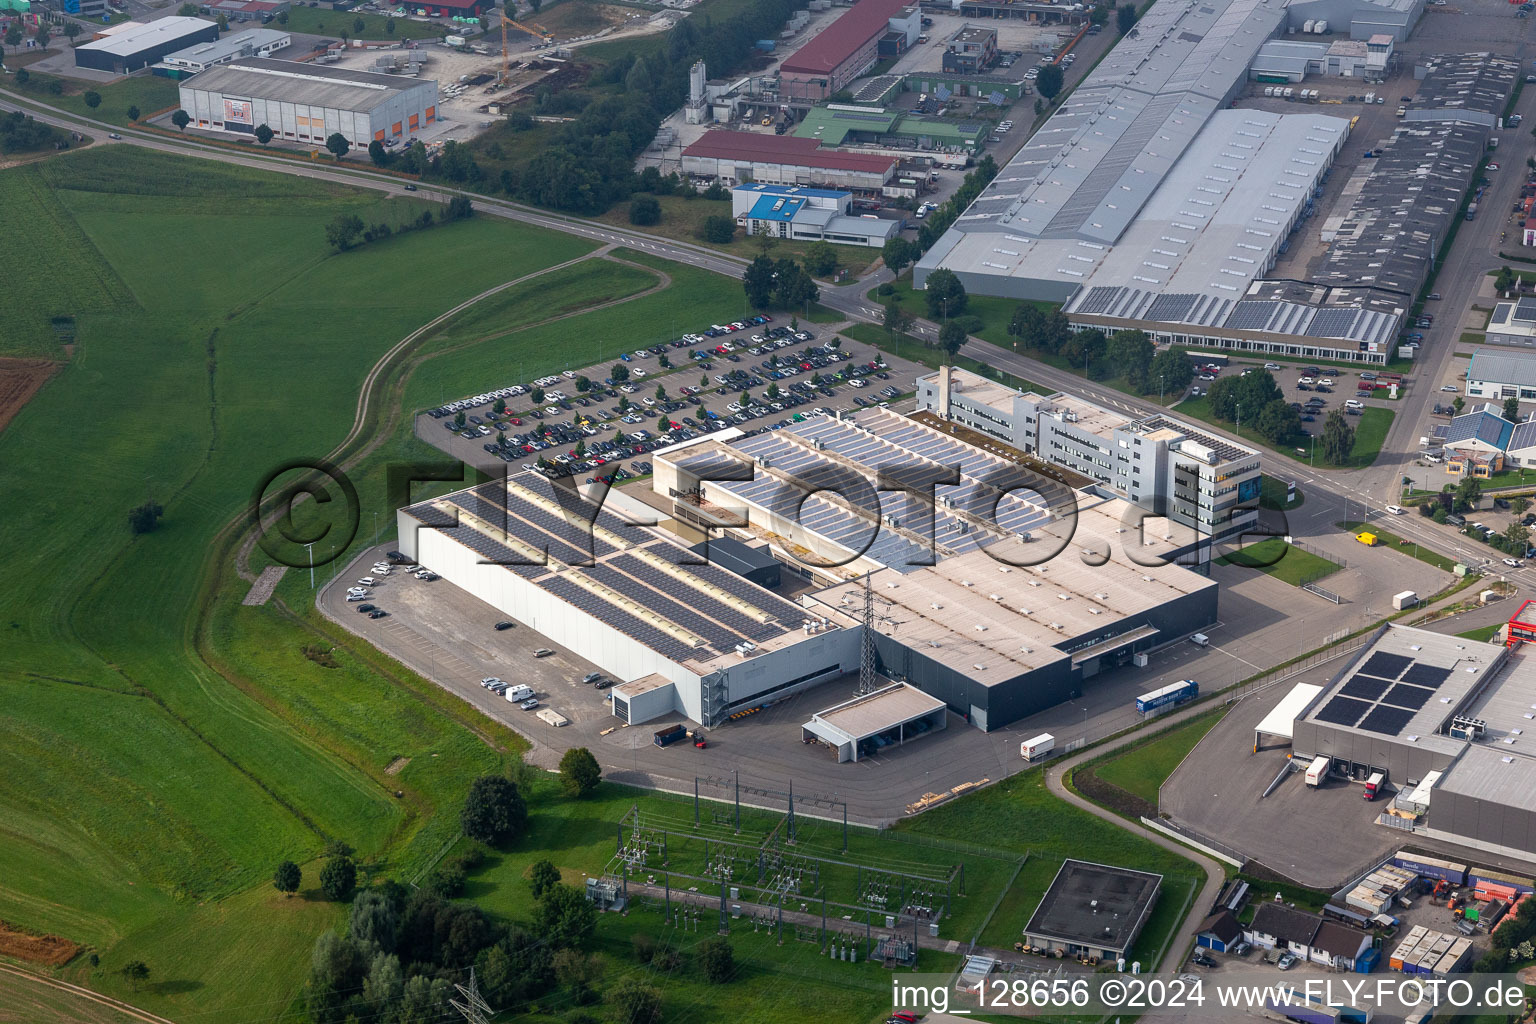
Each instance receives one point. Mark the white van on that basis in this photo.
(1200, 640)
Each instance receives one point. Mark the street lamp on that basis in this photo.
(1161, 398)
(310, 547)
(1239, 419)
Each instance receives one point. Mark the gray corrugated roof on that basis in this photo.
(284, 80)
(1516, 369)
(155, 33)
(208, 53)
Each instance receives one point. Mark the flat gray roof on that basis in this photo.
(141, 37)
(874, 713)
(1406, 686)
(293, 82)
(1090, 168)
(1095, 905)
(240, 42)
(1487, 773)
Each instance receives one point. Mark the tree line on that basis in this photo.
(347, 230)
(403, 948)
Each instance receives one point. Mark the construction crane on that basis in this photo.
(533, 30)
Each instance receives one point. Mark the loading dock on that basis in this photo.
(889, 716)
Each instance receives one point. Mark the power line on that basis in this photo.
(473, 1008)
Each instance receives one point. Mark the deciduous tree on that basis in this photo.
(287, 877)
(1049, 82)
(338, 878)
(494, 812)
(1338, 439)
(945, 294)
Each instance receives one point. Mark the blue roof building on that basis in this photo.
(808, 214)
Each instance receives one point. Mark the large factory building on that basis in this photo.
(308, 103)
(1449, 722)
(1001, 594)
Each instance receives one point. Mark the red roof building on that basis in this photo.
(736, 156)
(846, 48)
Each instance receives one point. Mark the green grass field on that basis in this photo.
(191, 742)
(1143, 769)
(1020, 815)
(1272, 495)
(150, 93)
(319, 22)
(1283, 561)
(1482, 634)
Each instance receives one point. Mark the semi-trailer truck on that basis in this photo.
(1174, 693)
(1318, 770)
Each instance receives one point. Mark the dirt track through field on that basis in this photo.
(20, 379)
(18, 977)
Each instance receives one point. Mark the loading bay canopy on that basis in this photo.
(889, 716)
(1281, 721)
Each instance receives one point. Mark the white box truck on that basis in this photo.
(519, 693)
(1407, 599)
(1038, 747)
(1318, 770)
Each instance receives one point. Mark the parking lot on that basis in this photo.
(1312, 390)
(752, 377)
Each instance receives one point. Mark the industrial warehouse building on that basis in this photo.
(256, 42)
(1144, 202)
(134, 46)
(1513, 322)
(847, 48)
(984, 595)
(808, 214)
(783, 160)
(1204, 483)
(1499, 375)
(995, 612)
(1449, 721)
(1361, 19)
(1093, 910)
(307, 103)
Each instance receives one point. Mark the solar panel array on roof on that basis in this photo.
(1251, 316)
(1405, 696)
(1365, 687)
(994, 499)
(1386, 719)
(1171, 307)
(1332, 323)
(1426, 675)
(1343, 711)
(663, 643)
(1386, 664)
(1097, 299)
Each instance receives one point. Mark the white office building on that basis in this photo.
(1205, 486)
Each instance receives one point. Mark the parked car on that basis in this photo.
(503, 624)
(543, 652)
